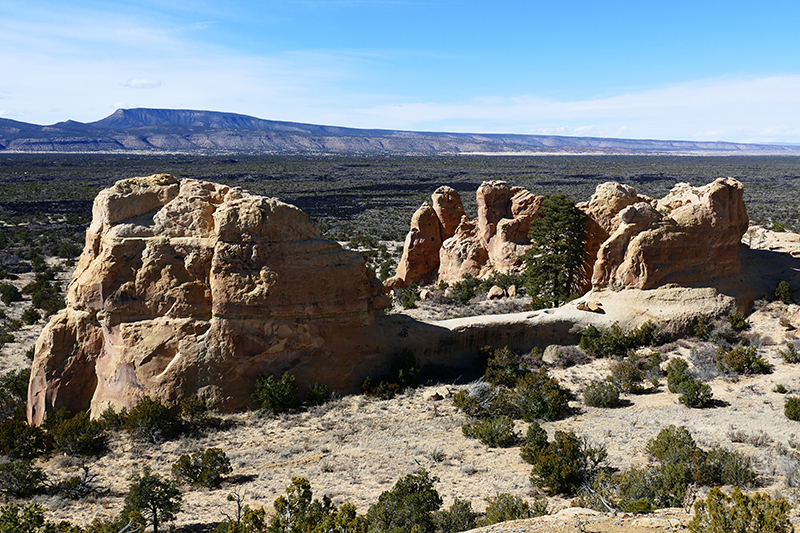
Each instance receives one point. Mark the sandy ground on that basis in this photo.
(354, 447)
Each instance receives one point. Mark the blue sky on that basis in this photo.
(699, 70)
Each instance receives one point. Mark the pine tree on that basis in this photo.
(555, 261)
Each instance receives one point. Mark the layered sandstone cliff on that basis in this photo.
(185, 286)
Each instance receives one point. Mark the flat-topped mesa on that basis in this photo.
(494, 241)
(690, 236)
(190, 287)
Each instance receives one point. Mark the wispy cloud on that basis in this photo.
(142, 83)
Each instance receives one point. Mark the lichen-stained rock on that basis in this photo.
(692, 236)
(186, 287)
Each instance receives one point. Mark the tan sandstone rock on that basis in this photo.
(691, 236)
(420, 258)
(494, 241)
(449, 209)
(186, 286)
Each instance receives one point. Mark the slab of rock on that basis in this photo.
(190, 287)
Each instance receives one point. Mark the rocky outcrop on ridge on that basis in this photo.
(691, 235)
(185, 286)
(632, 241)
(494, 241)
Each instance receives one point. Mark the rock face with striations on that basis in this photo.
(192, 287)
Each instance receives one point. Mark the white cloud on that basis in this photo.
(142, 83)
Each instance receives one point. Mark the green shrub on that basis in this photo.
(672, 445)
(494, 432)
(790, 354)
(741, 360)
(676, 373)
(565, 464)
(460, 517)
(18, 440)
(9, 294)
(503, 367)
(13, 392)
(247, 520)
(607, 342)
(738, 322)
(695, 394)
(730, 468)
(409, 296)
(194, 412)
(703, 327)
(318, 394)
(535, 442)
(505, 507)
(31, 316)
(540, 396)
(780, 388)
(202, 469)
(276, 395)
(77, 487)
(739, 513)
(601, 394)
(27, 518)
(783, 292)
(408, 506)
(19, 478)
(113, 420)
(627, 376)
(151, 421)
(792, 408)
(80, 436)
(404, 372)
(483, 400)
(464, 290)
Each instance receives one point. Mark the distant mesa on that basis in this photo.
(194, 131)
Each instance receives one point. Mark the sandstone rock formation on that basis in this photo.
(494, 241)
(601, 221)
(691, 235)
(632, 241)
(186, 286)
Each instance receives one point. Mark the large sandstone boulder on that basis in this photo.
(191, 287)
(692, 235)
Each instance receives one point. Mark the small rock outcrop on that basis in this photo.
(190, 287)
(494, 241)
(691, 235)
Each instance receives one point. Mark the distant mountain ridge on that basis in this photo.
(193, 131)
